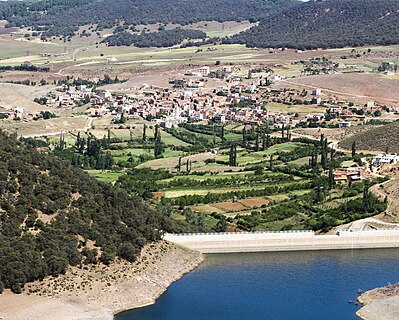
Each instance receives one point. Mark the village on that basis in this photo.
(222, 94)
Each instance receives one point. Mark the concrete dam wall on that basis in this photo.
(285, 241)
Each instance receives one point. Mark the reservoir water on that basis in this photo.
(284, 285)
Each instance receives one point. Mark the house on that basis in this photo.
(316, 92)
(105, 95)
(218, 118)
(344, 124)
(204, 71)
(383, 158)
(349, 174)
(370, 104)
(316, 100)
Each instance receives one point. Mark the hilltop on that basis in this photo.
(382, 138)
(327, 24)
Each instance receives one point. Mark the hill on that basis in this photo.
(382, 138)
(57, 17)
(327, 24)
(53, 216)
(12, 95)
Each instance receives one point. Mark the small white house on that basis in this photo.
(316, 92)
(204, 71)
(344, 124)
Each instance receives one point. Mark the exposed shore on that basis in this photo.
(380, 304)
(100, 292)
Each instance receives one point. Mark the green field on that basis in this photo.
(104, 176)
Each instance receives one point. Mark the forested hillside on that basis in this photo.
(58, 17)
(162, 38)
(53, 215)
(327, 24)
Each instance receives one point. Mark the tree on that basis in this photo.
(213, 134)
(331, 181)
(366, 196)
(128, 251)
(271, 162)
(222, 134)
(158, 146)
(233, 155)
(353, 149)
(108, 138)
(244, 137)
(189, 215)
(221, 226)
(324, 147)
(257, 139)
(179, 165)
(144, 132)
(263, 141)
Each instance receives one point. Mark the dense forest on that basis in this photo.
(162, 38)
(57, 17)
(327, 24)
(283, 23)
(51, 211)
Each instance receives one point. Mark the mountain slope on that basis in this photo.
(327, 24)
(53, 215)
(63, 17)
(381, 138)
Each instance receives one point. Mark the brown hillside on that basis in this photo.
(381, 138)
(389, 189)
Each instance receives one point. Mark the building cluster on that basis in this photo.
(218, 93)
(383, 158)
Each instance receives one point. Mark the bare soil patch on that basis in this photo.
(229, 206)
(254, 202)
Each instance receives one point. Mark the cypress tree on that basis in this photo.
(263, 141)
(257, 140)
(179, 165)
(268, 141)
(144, 132)
(353, 149)
(214, 134)
(233, 155)
(330, 178)
(271, 162)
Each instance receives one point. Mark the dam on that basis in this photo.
(293, 240)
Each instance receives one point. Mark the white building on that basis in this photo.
(383, 158)
(316, 92)
(219, 118)
(344, 124)
(204, 71)
(105, 95)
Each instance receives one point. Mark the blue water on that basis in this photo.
(259, 286)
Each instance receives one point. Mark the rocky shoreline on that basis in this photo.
(100, 292)
(380, 304)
